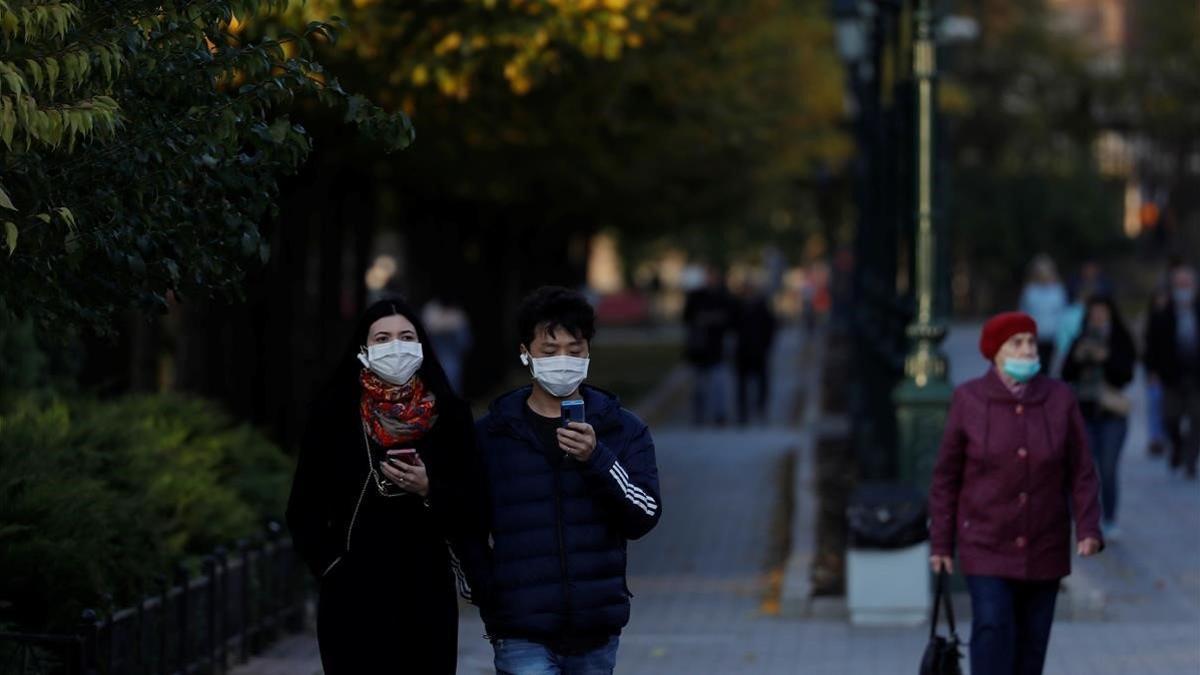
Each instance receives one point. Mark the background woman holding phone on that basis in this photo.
(386, 501)
(1100, 365)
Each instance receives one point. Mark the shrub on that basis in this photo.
(99, 497)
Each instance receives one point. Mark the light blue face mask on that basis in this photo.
(1022, 370)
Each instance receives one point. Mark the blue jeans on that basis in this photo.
(1154, 413)
(522, 657)
(1010, 625)
(709, 396)
(1107, 436)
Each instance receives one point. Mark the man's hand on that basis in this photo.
(938, 563)
(1088, 547)
(578, 439)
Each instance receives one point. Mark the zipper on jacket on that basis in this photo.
(562, 546)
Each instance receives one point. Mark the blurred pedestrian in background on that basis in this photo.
(1156, 427)
(1045, 299)
(1090, 282)
(808, 303)
(1012, 471)
(755, 333)
(1173, 357)
(655, 296)
(566, 496)
(708, 314)
(1099, 365)
(450, 333)
(386, 498)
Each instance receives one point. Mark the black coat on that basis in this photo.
(755, 332)
(560, 526)
(1162, 348)
(708, 314)
(1116, 371)
(386, 565)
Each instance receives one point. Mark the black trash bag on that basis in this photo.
(886, 516)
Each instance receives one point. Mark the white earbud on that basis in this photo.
(524, 359)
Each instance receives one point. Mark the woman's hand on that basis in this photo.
(939, 563)
(1088, 547)
(1092, 352)
(408, 477)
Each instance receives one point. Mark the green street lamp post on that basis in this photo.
(924, 395)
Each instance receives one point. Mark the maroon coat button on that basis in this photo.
(1020, 542)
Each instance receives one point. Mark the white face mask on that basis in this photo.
(558, 375)
(395, 362)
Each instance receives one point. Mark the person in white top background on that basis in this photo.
(1045, 299)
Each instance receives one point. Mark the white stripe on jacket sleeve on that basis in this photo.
(464, 588)
(621, 470)
(633, 493)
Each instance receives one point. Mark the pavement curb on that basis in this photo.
(653, 406)
(796, 593)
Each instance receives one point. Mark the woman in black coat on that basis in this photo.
(1099, 366)
(387, 499)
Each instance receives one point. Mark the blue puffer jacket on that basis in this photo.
(559, 526)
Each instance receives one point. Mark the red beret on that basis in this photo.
(1000, 328)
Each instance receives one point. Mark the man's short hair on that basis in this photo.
(556, 307)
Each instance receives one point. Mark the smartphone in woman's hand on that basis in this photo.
(406, 456)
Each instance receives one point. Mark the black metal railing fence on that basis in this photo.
(241, 601)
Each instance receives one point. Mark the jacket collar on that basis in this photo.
(601, 409)
(1036, 390)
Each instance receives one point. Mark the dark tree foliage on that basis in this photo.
(143, 142)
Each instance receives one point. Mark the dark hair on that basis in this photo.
(1119, 331)
(343, 385)
(556, 307)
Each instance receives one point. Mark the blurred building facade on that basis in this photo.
(1103, 25)
(1159, 177)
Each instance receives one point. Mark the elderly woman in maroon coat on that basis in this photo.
(1013, 469)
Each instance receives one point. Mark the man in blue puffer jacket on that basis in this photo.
(565, 499)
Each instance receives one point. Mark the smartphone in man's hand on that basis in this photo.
(572, 411)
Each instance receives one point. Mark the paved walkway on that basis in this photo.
(700, 578)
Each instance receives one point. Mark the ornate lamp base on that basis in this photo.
(922, 401)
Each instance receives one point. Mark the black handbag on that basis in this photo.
(942, 656)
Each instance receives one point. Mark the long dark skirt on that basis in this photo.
(390, 605)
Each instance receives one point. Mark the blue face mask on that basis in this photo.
(1022, 370)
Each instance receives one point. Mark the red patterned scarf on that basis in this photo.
(396, 415)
